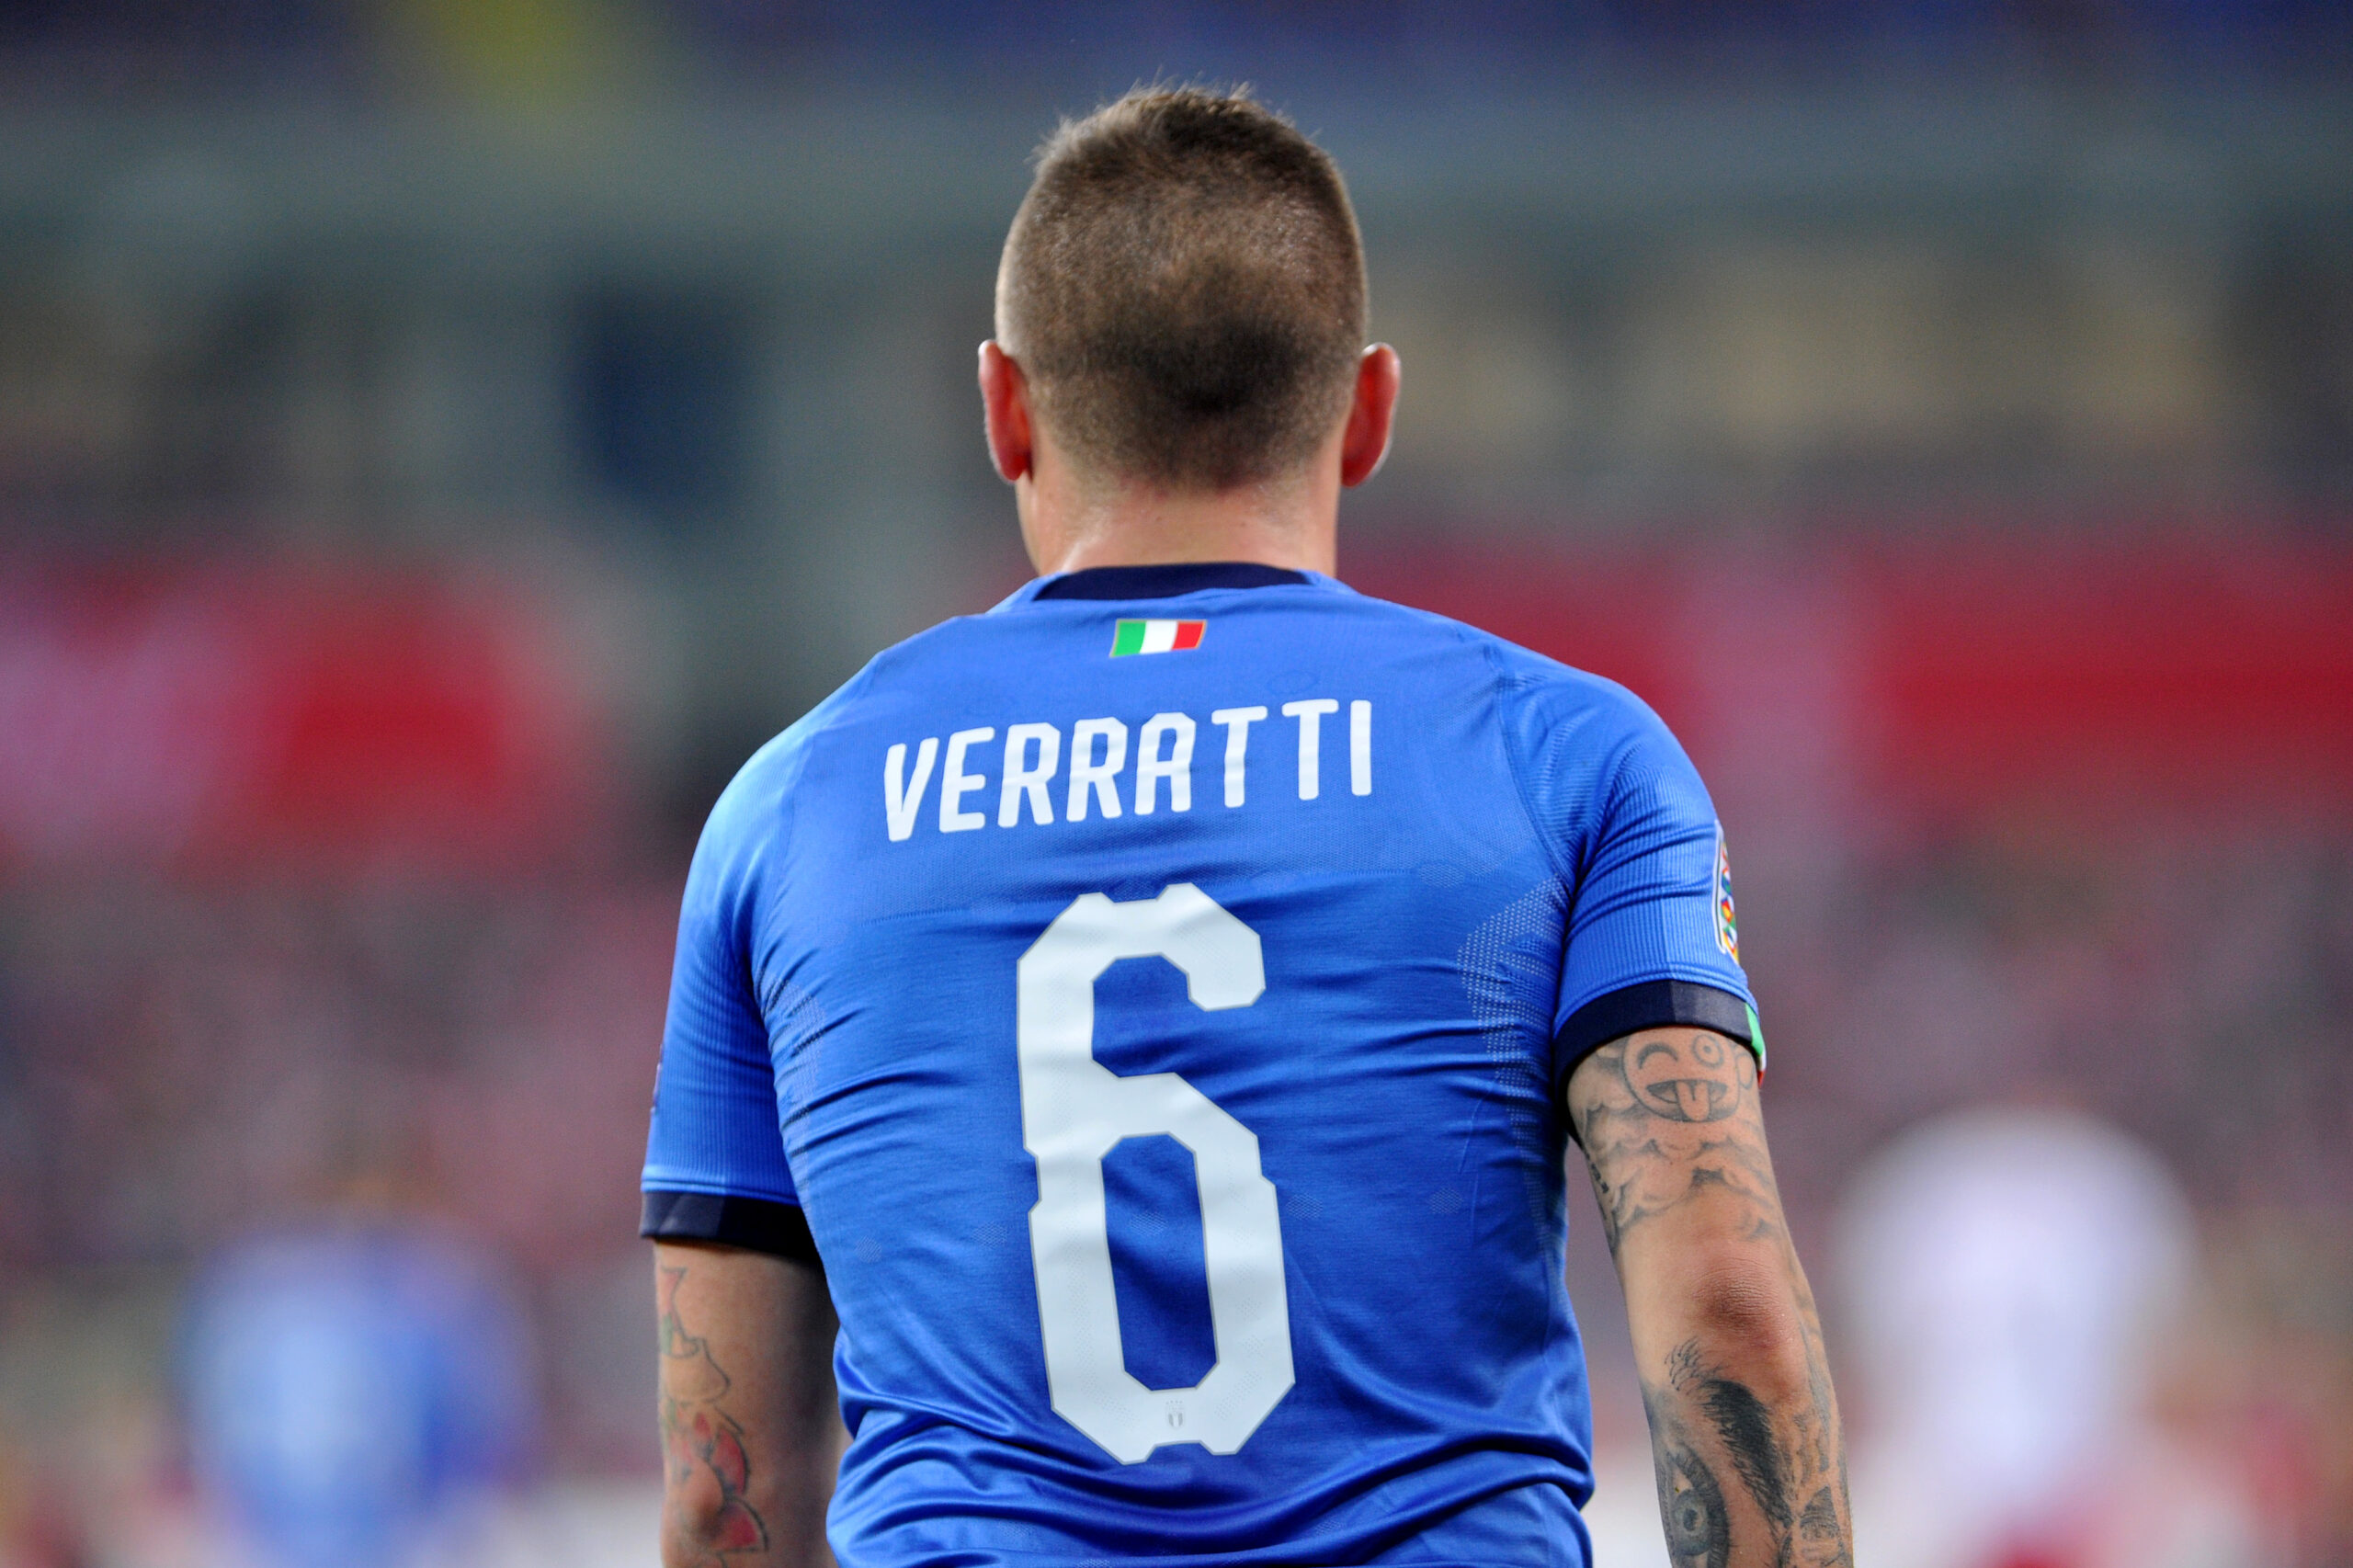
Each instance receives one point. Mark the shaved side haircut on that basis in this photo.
(1184, 289)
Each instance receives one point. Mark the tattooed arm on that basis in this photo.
(1744, 1432)
(748, 1413)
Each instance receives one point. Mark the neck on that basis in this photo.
(1070, 526)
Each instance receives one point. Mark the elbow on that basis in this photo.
(689, 1518)
(1743, 1312)
(701, 1518)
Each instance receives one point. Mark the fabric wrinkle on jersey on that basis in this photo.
(1179, 1119)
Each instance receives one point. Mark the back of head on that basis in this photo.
(1184, 289)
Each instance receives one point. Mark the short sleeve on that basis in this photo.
(715, 1167)
(1651, 937)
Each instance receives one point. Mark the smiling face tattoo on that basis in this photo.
(1669, 1126)
(1694, 1077)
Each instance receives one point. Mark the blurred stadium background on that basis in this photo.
(440, 438)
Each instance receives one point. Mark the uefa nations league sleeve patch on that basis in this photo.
(1727, 921)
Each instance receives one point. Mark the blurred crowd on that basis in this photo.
(550, 43)
(411, 512)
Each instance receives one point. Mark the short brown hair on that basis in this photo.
(1184, 288)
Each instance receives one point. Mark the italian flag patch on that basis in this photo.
(1156, 637)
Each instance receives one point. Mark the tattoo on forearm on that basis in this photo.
(1820, 1535)
(1825, 1526)
(1661, 1122)
(1690, 1500)
(1743, 1425)
(699, 1437)
(1778, 1455)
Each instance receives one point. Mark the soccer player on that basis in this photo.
(1152, 1014)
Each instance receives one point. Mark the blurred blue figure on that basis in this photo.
(349, 1389)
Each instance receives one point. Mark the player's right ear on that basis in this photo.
(1004, 403)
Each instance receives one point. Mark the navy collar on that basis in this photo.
(1165, 581)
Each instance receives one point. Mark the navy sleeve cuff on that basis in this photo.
(755, 1225)
(1653, 1004)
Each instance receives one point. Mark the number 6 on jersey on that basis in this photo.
(1075, 1111)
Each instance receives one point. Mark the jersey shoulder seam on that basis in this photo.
(785, 817)
(1503, 684)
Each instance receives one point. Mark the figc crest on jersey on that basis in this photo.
(1727, 922)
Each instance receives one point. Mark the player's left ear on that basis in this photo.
(1365, 443)
(1005, 405)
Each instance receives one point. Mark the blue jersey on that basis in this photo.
(1151, 1001)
